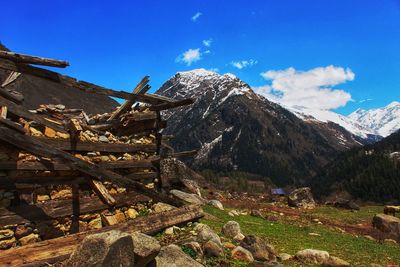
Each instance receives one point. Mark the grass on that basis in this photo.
(346, 216)
(290, 238)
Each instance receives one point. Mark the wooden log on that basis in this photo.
(38, 148)
(132, 127)
(33, 182)
(128, 103)
(62, 166)
(132, 118)
(181, 154)
(22, 112)
(75, 209)
(26, 59)
(12, 95)
(102, 192)
(55, 209)
(138, 176)
(11, 124)
(81, 85)
(54, 250)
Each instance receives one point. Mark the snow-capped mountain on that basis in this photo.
(232, 127)
(384, 121)
(350, 124)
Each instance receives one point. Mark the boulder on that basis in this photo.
(335, 262)
(211, 249)
(100, 250)
(161, 207)
(204, 234)
(187, 197)
(284, 256)
(231, 229)
(387, 224)
(301, 198)
(173, 256)
(256, 213)
(217, 204)
(312, 255)
(145, 248)
(196, 247)
(259, 247)
(240, 253)
(345, 204)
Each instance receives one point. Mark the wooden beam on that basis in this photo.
(3, 112)
(175, 104)
(75, 209)
(38, 148)
(22, 112)
(12, 77)
(190, 153)
(81, 85)
(128, 103)
(21, 58)
(102, 192)
(141, 176)
(12, 125)
(54, 209)
(54, 250)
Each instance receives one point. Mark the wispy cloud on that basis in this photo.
(365, 100)
(207, 43)
(243, 63)
(189, 56)
(196, 16)
(312, 88)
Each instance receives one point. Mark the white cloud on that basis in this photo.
(196, 16)
(207, 52)
(190, 56)
(243, 64)
(312, 88)
(365, 100)
(208, 42)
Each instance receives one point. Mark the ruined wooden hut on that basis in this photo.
(65, 174)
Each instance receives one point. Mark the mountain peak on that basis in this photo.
(393, 104)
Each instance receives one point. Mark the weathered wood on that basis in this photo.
(12, 77)
(12, 95)
(189, 153)
(175, 104)
(141, 176)
(33, 182)
(3, 112)
(81, 85)
(62, 166)
(54, 209)
(12, 125)
(130, 117)
(102, 192)
(22, 112)
(26, 59)
(128, 103)
(132, 127)
(38, 148)
(51, 251)
(75, 209)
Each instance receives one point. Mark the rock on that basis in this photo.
(390, 241)
(284, 256)
(231, 229)
(8, 243)
(187, 197)
(228, 245)
(204, 234)
(62, 194)
(103, 139)
(49, 132)
(259, 247)
(29, 239)
(256, 213)
(239, 237)
(173, 256)
(169, 231)
(161, 207)
(42, 198)
(22, 231)
(131, 213)
(119, 216)
(344, 204)
(240, 253)
(191, 186)
(145, 248)
(301, 198)
(313, 255)
(196, 247)
(387, 224)
(335, 262)
(108, 219)
(112, 248)
(6, 234)
(370, 237)
(216, 204)
(211, 249)
(95, 223)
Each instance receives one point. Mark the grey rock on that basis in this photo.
(284, 256)
(256, 213)
(388, 224)
(204, 234)
(103, 139)
(231, 229)
(335, 262)
(217, 204)
(173, 256)
(187, 197)
(301, 198)
(196, 247)
(259, 247)
(240, 253)
(145, 248)
(313, 255)
(100, 250)
(211, 249)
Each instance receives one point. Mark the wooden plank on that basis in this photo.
(135, 117)
(22, 112)
(133, 127)
(3, 112)
(12, 77)
(51, 251)
(141, 176)
(54, 209)
(75, 209)
(81, 85)
(128, 103)
(181, 154)
(21, 58)
(62, 166)
(38, 148)
(102, 192)
(12, 125)
(34, 182)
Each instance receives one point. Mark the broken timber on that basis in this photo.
(20, 58)
(58, 249)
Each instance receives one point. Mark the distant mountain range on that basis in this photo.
(233, 128)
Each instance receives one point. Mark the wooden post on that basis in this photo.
(3, 112)
(75, 209)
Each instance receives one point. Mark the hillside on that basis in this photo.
(39, 91)
(368, 173)
(235, 128)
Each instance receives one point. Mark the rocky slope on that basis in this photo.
(39, 91)
(235, 128)
(384, 121)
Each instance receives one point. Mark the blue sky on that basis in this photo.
(283, 47)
